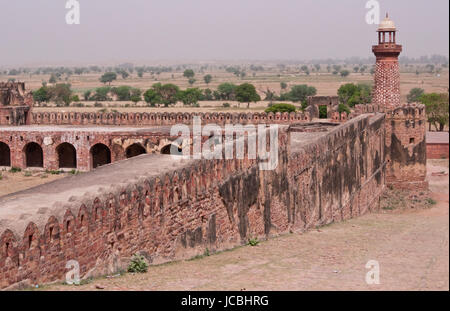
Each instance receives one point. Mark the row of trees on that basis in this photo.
(169, 94)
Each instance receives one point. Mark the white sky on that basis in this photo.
(35, 32)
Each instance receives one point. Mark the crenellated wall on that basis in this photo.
(163, 118)
(407, 147)
(168, 210)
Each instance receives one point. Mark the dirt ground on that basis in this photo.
(410, 242)
(13, 182)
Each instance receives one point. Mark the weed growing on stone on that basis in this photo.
(253, 242)
(138, 264)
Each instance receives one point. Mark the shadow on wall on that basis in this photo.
(5, 154)
(67, 156)
(135, 150)
(34, 156)
(100, 155)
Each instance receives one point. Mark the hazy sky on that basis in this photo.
(35, 32)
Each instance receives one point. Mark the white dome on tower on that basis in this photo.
(386, 24)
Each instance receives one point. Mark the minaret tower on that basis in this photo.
(386, 91)
(405, 146)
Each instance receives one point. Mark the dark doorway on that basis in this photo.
(34, 157)
(323, 112)
(176, 150)
(5, 155)
(67, 156)
(135, 150)
(100, 155)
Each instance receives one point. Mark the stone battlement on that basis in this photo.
(164, 118)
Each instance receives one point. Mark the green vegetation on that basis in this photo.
(126, 93)
(15, 170)
(430, 201)
(246, 93)
(190, 96)
(414, 95)
(253, 242)
(281, 108)
(299, 93)
(108, 77)
(344, 73)
(138, 264)
(60, 93)
(437, 108)
(207, 79)
(189, 73)
(343, 108)
(354, 94)
(152, 98)
(323, 113)
(226, 91)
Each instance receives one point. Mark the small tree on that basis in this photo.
(124, 74)
(345, 73)
(87, 95)
(52, 79)
(283, 85)
(246, 93)
(191, 81)
(226, 91)
(437, 108)
(41, 95)
(108, 77)
(414, 95)
(123, 92)
(189, 73)
(354, 94)
(61, 94)
(190, 96)
(207, 79)
(152, 98)
(299, 93)
(343, 108)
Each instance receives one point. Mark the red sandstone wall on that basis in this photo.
(213, 204)
(132, 118)
(406, 145)
(82, 141)
(437, 151)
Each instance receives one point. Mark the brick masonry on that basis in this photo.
(437, 151)
(178, 213)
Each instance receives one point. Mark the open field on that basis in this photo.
(18, 181)
(326, 84)
(410, 242)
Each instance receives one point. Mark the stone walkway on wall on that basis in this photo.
(411, 246)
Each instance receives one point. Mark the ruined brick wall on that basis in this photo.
(212, 205)
(15, 103)
(163, 118)
(339, 176)
(407, 147)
